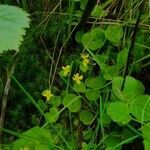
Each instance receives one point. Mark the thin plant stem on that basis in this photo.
(4, 100)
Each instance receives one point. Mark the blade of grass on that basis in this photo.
(17, 134)
(132, 44)
(134, 130)
(101, 118)
(5, 97)
(126, 141)
(28, 95)
(32, 139)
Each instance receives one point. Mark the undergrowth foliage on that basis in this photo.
(93, 99)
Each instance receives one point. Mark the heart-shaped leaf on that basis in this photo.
(53, 115)
(92, 95)
(132, 88)
(81, 88)
(86, 117)
(73, 102)
(95, 83)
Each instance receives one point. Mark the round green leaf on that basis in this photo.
(94, 39)
(57, 101)
(140, 108)
(78, 36)
(132, 88)
(106, 120)
(146, 131)
(13, 20)
(146, 144)
(112, 141)
(72, 102)
(83, 4)
(53, 115)
(36, 135)
(92, 95)
(86, 117)
(88, 42)
(109, 72)
(114, 33)
(95, 83)
(81, 88)
(119, 112)
(98, 36)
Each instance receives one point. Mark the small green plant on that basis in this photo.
(95, 104)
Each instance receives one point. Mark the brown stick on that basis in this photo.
(131, 47)
(5, 98)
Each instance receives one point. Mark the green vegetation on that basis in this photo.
(74, 83)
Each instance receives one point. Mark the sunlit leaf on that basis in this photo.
(140, 108)
(36, 137)
(119, 112)
(13, 21)
(146, 144)
(146, 131)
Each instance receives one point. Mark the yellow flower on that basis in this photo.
(66, 70)
(85, 62)
(85, 58)
(25, 148)
(48, 94)
(77, 78)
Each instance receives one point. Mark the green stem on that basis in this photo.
(129, 56)
(29, 96)
(126, 141)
